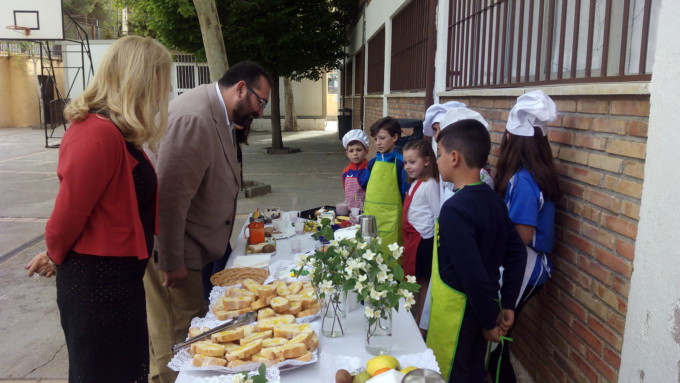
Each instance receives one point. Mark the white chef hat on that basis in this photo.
(459, 114)
(436, 112)
(532, 109)
(355, 135)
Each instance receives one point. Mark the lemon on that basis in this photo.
(408, 369)
(380, 362)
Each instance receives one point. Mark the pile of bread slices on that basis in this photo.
(297, 299)
(269, 341)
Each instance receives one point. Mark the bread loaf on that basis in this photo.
(304, 338)
(308, 312)
(295, 308)
(196, 331)
(290, 331)
(279, 304)
(293, 350)
(265, 291)
(209, 349)
(259, 358)
(248, 329)
(306, 357)
(237, 292)
(245, 351)
(258, 304)
(203, 361)
(256, 336)
(273, 342)
(226, 315)
(265, 313)
(269, 323)
(236, 303)
(295, 287)
(228, 335)
(251, 285)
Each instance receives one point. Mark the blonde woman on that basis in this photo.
(100, 234)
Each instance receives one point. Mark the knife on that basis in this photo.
(231, 323)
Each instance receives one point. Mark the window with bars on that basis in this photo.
(347, 80)
(376, 63)
(521, 42)
(409, 47)
(359, 72)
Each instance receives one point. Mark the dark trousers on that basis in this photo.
(468, 363)
(507, 373)
(212, 268)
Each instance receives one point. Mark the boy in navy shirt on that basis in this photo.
(476, 238)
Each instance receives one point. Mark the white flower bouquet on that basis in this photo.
(363, 266)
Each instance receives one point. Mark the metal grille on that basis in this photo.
(188, 73)
(409, 47)
(359, 72)
(376, 63)
(511, 42)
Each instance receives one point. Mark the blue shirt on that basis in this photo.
(402, 178)
(526, 206)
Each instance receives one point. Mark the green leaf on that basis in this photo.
(398, 273)
(412, 287)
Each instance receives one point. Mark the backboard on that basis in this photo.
(31, 20)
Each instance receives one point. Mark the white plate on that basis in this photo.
(286, 234)
(182, 359)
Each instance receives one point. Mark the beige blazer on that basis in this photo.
(198, 182)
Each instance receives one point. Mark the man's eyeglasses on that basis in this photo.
(260, 100)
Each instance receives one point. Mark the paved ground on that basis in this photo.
(32, 345)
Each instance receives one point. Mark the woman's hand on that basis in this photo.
(42, 265)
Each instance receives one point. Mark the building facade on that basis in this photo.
(596, 59)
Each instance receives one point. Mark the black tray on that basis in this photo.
(309, 214)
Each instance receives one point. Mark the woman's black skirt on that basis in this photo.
(103, 314)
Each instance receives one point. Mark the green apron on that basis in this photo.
(383, 200)
(446, 315)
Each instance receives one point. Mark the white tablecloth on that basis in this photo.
(406, 335)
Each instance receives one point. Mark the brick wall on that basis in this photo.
(574, 330)
(374, 111)
(406, 107)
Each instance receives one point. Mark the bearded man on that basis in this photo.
(198, 184)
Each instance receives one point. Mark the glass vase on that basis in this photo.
(333, 312)
(379, 333)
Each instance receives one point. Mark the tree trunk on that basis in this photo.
(213, 41)
(291, 120)
(277, 140)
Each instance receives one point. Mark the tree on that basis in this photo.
(213, 41)
(300, 39)
(291, 121)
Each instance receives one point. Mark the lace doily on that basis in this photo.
(273, 375)
(182, 359)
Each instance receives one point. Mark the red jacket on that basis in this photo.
(96, 210)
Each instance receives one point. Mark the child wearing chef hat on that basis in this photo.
(442, 116)
(355, 174)
(526, 178)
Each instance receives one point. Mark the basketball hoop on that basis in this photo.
(18, 28)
